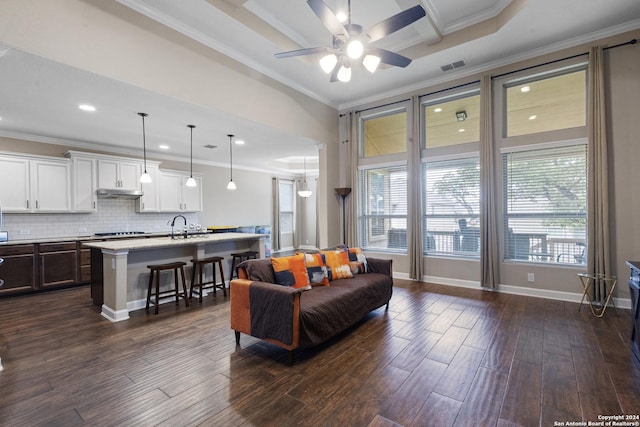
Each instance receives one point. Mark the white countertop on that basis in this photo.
(161, 242)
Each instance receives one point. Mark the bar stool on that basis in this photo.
(238, 257)
(155, 273)
(198, 269)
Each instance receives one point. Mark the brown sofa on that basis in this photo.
(292, 318)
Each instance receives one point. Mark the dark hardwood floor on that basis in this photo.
(440, 356)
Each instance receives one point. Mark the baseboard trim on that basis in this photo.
(114, 316)
(624, 303)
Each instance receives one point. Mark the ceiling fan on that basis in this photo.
(350, 43)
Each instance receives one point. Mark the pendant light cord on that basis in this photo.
(230, 158)
(144, 141)
(191, 157)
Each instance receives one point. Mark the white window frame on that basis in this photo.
(533, 141)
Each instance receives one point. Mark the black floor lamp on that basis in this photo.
(343, 192)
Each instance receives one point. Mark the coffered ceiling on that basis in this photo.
(473, 34)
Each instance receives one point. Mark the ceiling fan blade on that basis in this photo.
(300, 52)
(389, 57)
(327, 17)
(395, 23)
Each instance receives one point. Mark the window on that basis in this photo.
(453, 121)
(384, 134)
(452, 204)
(286, 206)
(383, 205)
(547, 104)
(451, 175)
(545, 203)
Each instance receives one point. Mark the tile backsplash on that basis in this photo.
(112, 215)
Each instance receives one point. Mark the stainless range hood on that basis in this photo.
(118, 193)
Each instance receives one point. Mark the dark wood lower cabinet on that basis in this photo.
(42, 266)
(58, 264)
(84, 264)
(18, 271)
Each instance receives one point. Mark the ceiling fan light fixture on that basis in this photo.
(355, 49)
(344, 74)
(328, 62)
(371, 63)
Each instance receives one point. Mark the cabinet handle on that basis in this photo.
(94, 204)
(185, 206)
(27, 204)
(142, 205)
(37, 206)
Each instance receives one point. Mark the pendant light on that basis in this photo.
(191, 182)
(305, 192)
(145, 178)
(231, 185)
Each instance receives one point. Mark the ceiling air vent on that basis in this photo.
(210, 146)
(453, 65)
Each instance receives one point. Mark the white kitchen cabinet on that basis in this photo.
(114, 173)
(51, 186)
(175, 196)
(14, 184)
(150, 202)
(34, 185)
(83, 184)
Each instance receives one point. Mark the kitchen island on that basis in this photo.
(123, 271)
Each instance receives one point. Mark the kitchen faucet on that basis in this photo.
(173, 222)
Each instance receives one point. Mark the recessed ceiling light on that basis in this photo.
(532, 117)
(163, 147)
(525, 89)
(460, 130)
(239, 142)
(87, 107)
(342, 17)
(437, 110)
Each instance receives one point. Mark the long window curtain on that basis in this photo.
(275, 230)
(353, 137)
(414, 220)
(489, 241)
(317, 227)
(598, 238)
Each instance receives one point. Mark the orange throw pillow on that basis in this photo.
(338, 264)
(316, 269)
(358, 261)
(291, 271)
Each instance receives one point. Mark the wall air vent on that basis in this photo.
(211, 146)
(453, 65)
